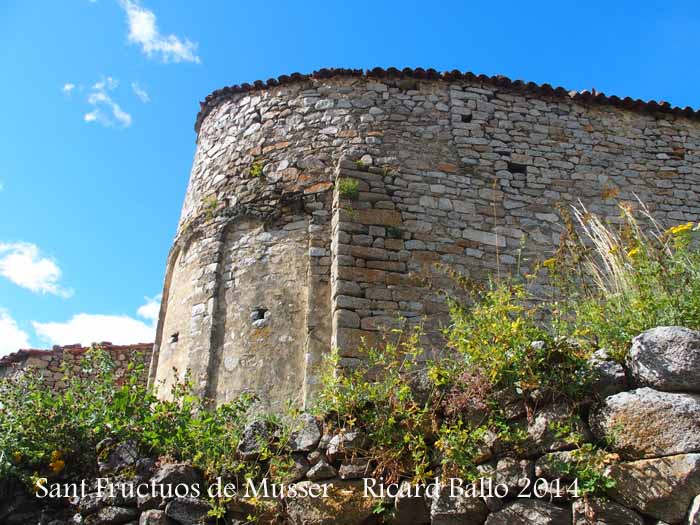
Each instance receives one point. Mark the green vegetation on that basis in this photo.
(612, 283)
(421, 418)
(349, 188)
(256, 170)
(47, 433)
(210, 204)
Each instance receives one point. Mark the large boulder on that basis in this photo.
(345, 505)
(530, 512)
(602, 511)
(666, 358)
(662, 488)
(646, 423)
(448, 508)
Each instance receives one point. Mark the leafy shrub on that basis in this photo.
(56, 433)
(615, 282)
(378, 399)
(349, 188)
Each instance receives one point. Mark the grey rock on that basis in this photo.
(514, 473)
(542, 436)
(255, 435)
(345, 505)
(666, 358)
(188, 511)
(608, 376)
(410, 510)
(306, 434)
(355, 469)
(116, 456)
(345, 443)
(449, 508)
(662, 488)
(90, 504)
(112, 516)
(155, 517)
(646, 423)
(552, 465)
(300, 468)
(602, 511)
(321, 470)
(693, 517)
(530, 512)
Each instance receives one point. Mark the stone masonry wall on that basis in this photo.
(272, 265)
(52, 364)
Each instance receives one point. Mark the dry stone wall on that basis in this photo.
(53, 364)
(273, 265)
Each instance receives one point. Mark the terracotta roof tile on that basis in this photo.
(594, 97)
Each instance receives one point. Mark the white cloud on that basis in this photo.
(12, 337)
(151, 309)
(68, 87)
(141, 93)
(105, 110)
(144, 32)
(92, 328)
(23, 264)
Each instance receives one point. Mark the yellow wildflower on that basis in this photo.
(549, 263)
(56, 464)
(633, 252)
(681, 228)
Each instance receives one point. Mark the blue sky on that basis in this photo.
(99, 100)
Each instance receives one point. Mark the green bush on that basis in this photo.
(50, 433)
(614, 282)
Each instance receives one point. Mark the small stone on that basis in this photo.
(112, 516)
(602, 511)
(188, 511)
(514, 473)
(450, 508)
(321, 470)
(306, 434)
(154, 517)
(355, 469)
(608, 376)
(300, 468)
(530, 512)
(345, 443)
(255, 435)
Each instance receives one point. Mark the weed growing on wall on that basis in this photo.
(349, 188)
